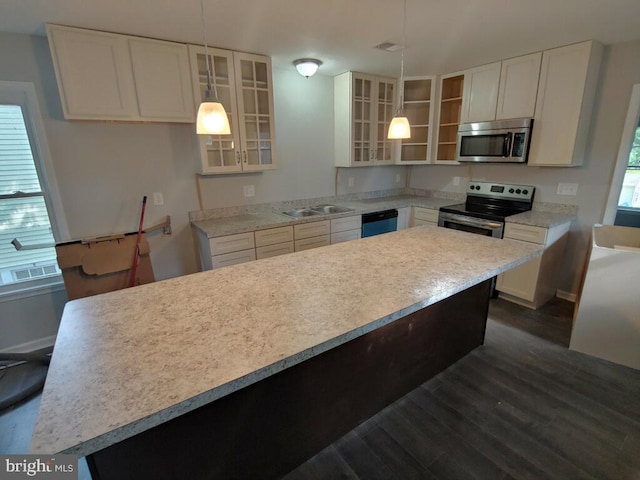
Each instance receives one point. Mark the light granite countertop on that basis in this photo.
(129, 360)
(221, 226)
(229, 225)
(542, 219)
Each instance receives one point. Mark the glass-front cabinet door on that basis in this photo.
(219, 153)
(364, 106)
(363, 87)
(255, 104)
(243, 85)
(386, 91)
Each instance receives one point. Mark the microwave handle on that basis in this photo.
(506, 148)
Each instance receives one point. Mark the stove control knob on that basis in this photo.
(477, 187)
(511, 190)
(518, 191)
(525, 192)
(471, 187)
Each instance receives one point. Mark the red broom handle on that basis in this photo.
(136, 255)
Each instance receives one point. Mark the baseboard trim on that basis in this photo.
(32, 345)
(572, 297)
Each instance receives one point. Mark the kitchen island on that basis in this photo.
(210, 375)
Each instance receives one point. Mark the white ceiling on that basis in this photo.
(442, 36)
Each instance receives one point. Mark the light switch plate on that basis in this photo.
(567, 189)
(350, 181)
(249, 191)
(397, 178)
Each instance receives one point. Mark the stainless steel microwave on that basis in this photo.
(505, 141)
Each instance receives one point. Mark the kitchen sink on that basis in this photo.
(323, 209)
(326, 209)
(301, 212)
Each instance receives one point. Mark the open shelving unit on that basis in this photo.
(449, 119)
(418, 96)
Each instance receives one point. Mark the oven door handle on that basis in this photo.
(475, 224)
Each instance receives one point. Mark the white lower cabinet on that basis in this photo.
(233, 258)
(274, 241)
(312, 242)
(423, 216)
(312, 235)
(345, 236)
(404, 213)
(274, 250)
(346, 228)
(535, 282)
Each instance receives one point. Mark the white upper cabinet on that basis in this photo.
(364, 106)
(94, 76)
(518, 86)
(159, 68)
(568, 81)
(501, 90)
(105, 76)
(243, 85)
(480, 95)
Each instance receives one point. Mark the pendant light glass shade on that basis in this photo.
(212, 118)
(399, 128)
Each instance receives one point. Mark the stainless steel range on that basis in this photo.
(486, 207)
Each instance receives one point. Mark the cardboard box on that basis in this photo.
(103, 264)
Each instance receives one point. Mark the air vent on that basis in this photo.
(389, 47)
(35, 272)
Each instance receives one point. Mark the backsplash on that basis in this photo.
(199, 215)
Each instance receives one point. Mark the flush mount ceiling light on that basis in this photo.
(307, 66)
(399, 126)
(212, 118)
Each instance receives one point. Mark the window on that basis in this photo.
(630, 192)
(26, 202)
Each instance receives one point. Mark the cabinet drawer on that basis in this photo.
(231, 243)
(233, 258)
(345, 236)
(273, 236)
(313, 229)
(346, 223)
(426, 214)
(274, 250)
(418, 222)
(314, 242)
(526, 233)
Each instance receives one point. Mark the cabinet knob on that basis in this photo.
(244, 156)
(237, 156)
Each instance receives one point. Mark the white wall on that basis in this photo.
(620, 71)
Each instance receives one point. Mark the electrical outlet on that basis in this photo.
(456, 181)
(350, 181)
(249, 191)
(158, 199)
(397, 178)
(567, 189)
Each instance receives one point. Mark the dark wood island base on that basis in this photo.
(268, 428)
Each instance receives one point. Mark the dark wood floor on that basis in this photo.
(522, 406)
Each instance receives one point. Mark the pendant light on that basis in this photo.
(399, 126)
(212, 118)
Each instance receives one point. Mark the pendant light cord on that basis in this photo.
(206, 51)
(404, 27)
